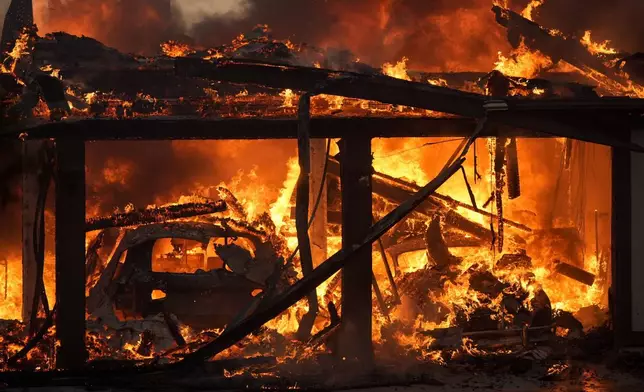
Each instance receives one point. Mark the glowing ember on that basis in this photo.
(176, 49)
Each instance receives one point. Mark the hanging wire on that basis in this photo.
(399, 152)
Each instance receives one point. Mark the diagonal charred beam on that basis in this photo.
(156, 215)
(323, 272)
(397, 194)
(555, 46)
(574, 272)
(450, 201)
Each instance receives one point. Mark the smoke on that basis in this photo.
(438, 35)
(137, 26)
(144, 173)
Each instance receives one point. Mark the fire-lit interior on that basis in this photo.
(520, 239)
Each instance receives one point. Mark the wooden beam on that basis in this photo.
(357, 217)
(193, 128)
(156, 215)
(70, 253)
(376, 87)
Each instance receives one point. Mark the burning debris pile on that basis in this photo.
(461, 274)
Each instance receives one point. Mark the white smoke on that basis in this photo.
(193, 11)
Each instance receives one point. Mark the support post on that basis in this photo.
(317, 232)
(355, 173)
(32, 165)
(70, 253)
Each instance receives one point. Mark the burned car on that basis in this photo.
(211, 273)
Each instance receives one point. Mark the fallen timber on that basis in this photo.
(398, 194)
(155, 215)
(574, 273)
(555, 46)
(453, 337)
(325, 270)
(451, 201)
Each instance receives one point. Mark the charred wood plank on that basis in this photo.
(556, 47)
(329, 331)
(574, 273)
(453, 337)
(174, 329)
(419, 243)
(514, 182)
(156, 215)
(323, 272)
(372, 87)
(390, 275)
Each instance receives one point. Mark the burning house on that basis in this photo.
(401, 219)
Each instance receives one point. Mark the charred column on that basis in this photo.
(355, 172)
(70, 253)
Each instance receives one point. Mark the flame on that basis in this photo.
(398, 71)
(523, 62)
(289, 97)
(528, 11)
(280, 210)
(20, 49)
(596, 47)
(176, 49)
